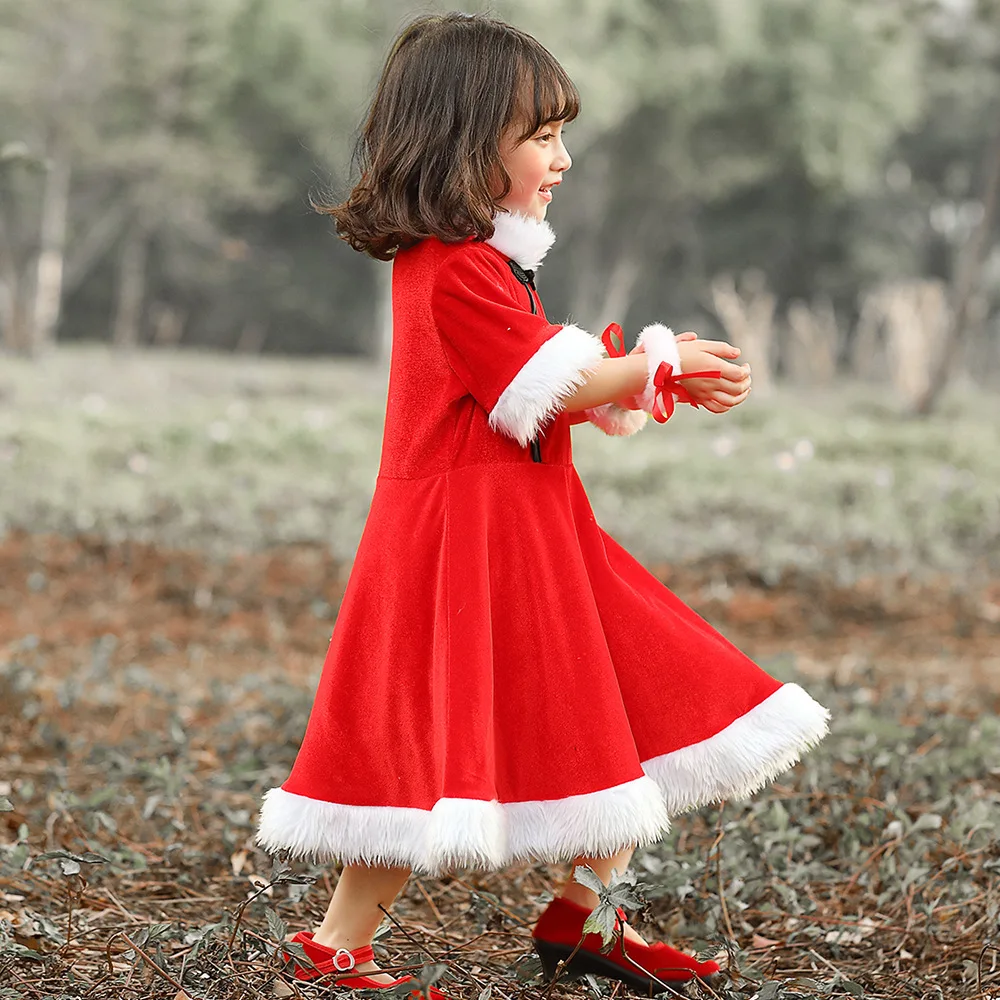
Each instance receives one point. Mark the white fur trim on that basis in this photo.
(617, 420)
(555, 370)
(474, 833)
(597, 824)
(460, 831)
(744, 756)
(522, 238)
(464, 833)
(660, 346)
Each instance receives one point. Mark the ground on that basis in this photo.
(178, 535)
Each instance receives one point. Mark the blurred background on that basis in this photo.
(815, 179)
(192, 386)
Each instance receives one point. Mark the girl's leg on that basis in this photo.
(577, 893)
(353, 915)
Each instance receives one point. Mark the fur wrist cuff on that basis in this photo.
(616, 420)
(660, 346)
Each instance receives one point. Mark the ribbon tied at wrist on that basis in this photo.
(667, 384)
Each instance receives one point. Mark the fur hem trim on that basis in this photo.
(555, 370)
(617, 420)
(522, 238)
(464, 833)
(660, 346)
(743, 757)
(598, 824)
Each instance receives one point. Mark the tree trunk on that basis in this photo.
(131, 287)
(16, 317)
(49, 280)
(252, 337)
(747, 314)
(618, 290)
(967, 273)
(585, 242)
(92, 245)
(16, 281)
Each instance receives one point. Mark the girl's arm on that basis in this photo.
(613, 379)
(616, 379)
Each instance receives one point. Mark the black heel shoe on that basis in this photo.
(550, 956)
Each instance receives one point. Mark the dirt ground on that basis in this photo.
(146, 691)
(162, 604)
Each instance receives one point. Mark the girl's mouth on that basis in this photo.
(546, 194)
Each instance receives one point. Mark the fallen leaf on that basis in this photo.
(759, 941)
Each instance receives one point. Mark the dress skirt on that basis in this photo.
(505, 681)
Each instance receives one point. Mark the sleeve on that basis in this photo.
(516, 365)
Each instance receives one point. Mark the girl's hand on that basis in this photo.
(632, 402)
(716, 395)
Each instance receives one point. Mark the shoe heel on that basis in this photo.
(550, 955)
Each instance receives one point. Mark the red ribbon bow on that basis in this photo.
(614, 341)
(668, 385)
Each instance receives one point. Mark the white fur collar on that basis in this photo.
(522, 238)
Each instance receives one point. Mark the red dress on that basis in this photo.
(504, 680)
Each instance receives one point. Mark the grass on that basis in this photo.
(224, 452)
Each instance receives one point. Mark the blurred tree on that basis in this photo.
(53, 71)
(756, 123)
(179, 161)
(156, 156)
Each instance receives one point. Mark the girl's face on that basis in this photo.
(535, 166)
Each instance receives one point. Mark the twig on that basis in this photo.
(430, 902)
(166, 975)
(424, 948)
(979, 965)
(503, 909)
(827, 963)
(722, 892)
(561, 966)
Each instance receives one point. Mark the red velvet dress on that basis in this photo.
(504, 680)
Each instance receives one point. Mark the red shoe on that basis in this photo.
(558, 931)
(331, 964)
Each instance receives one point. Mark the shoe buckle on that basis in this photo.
(337, 959)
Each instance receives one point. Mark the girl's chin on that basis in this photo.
(534, 211)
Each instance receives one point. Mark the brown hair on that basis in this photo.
(429, 151)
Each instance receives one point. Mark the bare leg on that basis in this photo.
(353, 915)
(577, 893)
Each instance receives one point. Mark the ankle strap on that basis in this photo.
(343, 960)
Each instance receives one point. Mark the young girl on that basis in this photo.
(505, 682)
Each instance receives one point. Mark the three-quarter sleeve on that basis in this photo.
(516, 365)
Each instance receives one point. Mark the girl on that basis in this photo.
(505, 682)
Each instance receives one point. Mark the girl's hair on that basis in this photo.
(429, 151)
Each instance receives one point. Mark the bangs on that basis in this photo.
(545, 92)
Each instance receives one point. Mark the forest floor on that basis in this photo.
(158, 657)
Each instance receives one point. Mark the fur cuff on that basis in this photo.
(660, 346)
(617, 420)
(555, 370)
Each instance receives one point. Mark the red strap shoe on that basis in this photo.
(647, 968)
(330, 964)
